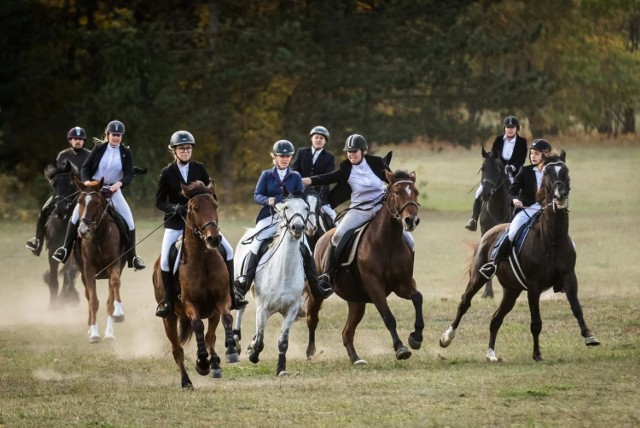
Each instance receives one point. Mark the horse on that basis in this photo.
(496, 204)
(204, 287)
(280, 277)
(383, 264)
(64, 197)
(98, 251)
(547, 259)
(319, 222)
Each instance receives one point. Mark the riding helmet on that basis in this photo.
(540, 145)
(283, 148)
(76, 132)
(321, 130)
(511, 122)
(180, 138)
(355, 142)
(115, 127)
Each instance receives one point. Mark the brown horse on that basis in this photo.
(98, 253)
(547, 259)
(204, 286)
(383, 264)
(496, 204)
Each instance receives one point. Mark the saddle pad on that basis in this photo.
(348, 251)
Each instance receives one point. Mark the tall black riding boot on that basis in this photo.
(237, 299)
(133, 260)
(243, 282)
(329, 262)
(62, 254)
(36, 243)
(312, 274)
(472, 224)
(165, 307)
(489, 269)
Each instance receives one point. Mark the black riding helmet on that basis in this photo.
(541, 145)
(355, 142)
(115, 127)
(283, 148)
(180, 138)
(511, 122)
(76, 132)
(320, 130)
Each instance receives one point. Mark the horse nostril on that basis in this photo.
(417, 221)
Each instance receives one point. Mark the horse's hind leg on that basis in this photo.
(508, 301)
(570, 286)
(488, 290)
(356, 312)
(69, 293)
(171, 329)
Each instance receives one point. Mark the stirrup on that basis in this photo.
(241, 303)
(163, 310)
(488, 270)
(472, 224)
(60, 255)
(34, 245)
(241, 284)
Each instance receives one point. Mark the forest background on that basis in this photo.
(242, 74)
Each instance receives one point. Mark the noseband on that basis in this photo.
(92, 224)
(397, 214)
(199, 231)
(550, 188)
(304, 220)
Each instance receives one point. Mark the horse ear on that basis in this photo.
(212, 187)
(387, 158)
(563, 155)
(79, 184)
(101, 183)
(484, 152)
(389, 175)
(412, 176)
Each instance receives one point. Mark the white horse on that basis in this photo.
(280, 279)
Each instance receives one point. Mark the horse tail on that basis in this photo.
(185, 330)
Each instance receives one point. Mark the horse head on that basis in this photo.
(313, 199)
(294, 213)
(402, 198)
(202, 212)
(556, 182)
(92, 207)
(62, 186)
(493, 175)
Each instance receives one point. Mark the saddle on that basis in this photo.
(121, 223)
(348, 246)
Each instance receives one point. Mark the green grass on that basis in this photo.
(51, 376)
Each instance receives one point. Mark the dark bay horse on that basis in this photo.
(547, 258)
(99, 255)
(64, 200)
(204, 286)
(383, 264)
(496, 204)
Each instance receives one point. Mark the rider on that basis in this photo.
(360, 178)
(76, 154)
(523, 193)
(182, 170)
(273, 186)
(315, 160)
(112, 161)
(512, 150)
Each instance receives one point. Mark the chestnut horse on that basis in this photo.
(98, 253)
(383, 264)
(547, 259)
(204, 286)
(64, 201)
(496, 204)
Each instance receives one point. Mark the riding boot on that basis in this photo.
(243, 282)
(312, 274)
(134, 261)
(329, 262)
(165, 307)
(36, 243)
(489, 269)
(62, 254)
(237, 299)
(472, 224)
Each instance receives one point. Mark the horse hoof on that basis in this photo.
(109, 337)
(591, 341)
(284, 373)
(118, 318)
(360, 363)
(538, 358)
(187, 386)
(403, 353)
(94, 339)
(444, 343)
(233, 358)
(216, 374)
(414, 343)
(254, 358)
(203, 371)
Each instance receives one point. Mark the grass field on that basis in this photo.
(51, 376)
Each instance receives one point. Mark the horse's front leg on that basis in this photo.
(94, 304)
(533, 298)
(356, 312)
(237, 330)
(257, 344)
(51, 279)
(509, 298)
(488, 290)
(115, 302)
(202, 356)
(283, 342)
(313, 318)
(171, 330)
(402, 352)
(69, 293)
(570, 286)
(210, 342)
(231, 352)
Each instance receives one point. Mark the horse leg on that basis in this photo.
(51, 279)
(171, 330)
(114, 305)
(283, 342)
(257, 344)
(536, 323)
(488, 290)
(94, 304)
(356, 312)
(202, 360)
(313, 311)
(210, 342)
(509, 298)
(476, 281)
(69, 294)
(237, 330)
(229, 340)
(415, 338)
(570, 285)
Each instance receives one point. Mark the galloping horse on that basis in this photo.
(547, 259)
(383, 264)
(64, 198)
(319, 222)
(280, 277)
(204, 286)
(496, 205)
(98, 253)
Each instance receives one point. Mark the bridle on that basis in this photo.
(397, 214)
(551, 187)
(199, 231)
(495, 186)
(288, 220)
(93, 225)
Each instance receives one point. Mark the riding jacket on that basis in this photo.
(169, 191)
(270, 186)
(76, 158)
(90, 166)
(325, 163)
(525, 186)
(519, 155)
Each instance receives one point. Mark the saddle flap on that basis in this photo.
(346, 248)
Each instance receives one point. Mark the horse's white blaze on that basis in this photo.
(491, 356)
(408, 190)
(108, 332)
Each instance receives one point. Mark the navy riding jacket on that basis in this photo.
(270, 186)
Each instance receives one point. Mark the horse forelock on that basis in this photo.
(196, 188)
(400, 175)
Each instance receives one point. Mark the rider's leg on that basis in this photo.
(36, 243)
(312, 274)
(472, 224)
(237, 299)
(122, 207)
(267, 228)
(489, 269)
(165, 307)
(62, 254)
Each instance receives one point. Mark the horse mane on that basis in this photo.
(555, 156)
(197, 188)
(52, 169)
(401, 174)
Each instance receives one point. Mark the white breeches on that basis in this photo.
(329, 211)
(119, 204)
(521, 218)
(351, 220)
(172, 235)
(479, 191)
